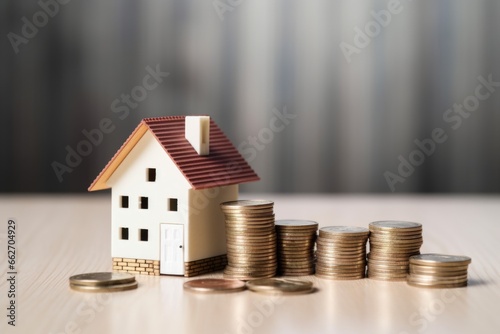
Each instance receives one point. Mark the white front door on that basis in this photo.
(172, 249)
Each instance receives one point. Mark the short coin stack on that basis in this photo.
(296, 240)
(250, 239)
(438, 271)
(391, 245)
(341, 252)
(102, 282)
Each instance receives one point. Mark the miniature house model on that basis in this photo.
(167, 181)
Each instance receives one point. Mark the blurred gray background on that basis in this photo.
(358, 102)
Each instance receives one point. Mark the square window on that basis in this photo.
(143, 202)
(172, 204)
(143, 234)
(123, 201)
(151, 174)
(124, 233)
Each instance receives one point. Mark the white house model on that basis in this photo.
(167, 181)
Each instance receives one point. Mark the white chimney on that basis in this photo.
(197, 132)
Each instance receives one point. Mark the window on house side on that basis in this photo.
(172, 204)
(124, 233)
(143, 234)
(151, 174)
(123, 201)
(143, 202)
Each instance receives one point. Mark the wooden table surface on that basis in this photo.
(59, 236)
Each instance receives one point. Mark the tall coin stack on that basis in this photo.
(438, 271)
(250, 239)
(296, 240)
(391, 245)
(341, 252)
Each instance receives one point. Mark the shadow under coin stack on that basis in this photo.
(250, 239)
(391, 245)
(438, 271)
(296, 239)
(341, 252)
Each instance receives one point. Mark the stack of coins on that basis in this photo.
(250, 239)
(391, 245)
(296, 240)
(438, 271)
(341, 252)
(102, 282)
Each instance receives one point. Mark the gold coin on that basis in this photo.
(440, 260)
(101, 278)
(393, 236)
(436, 271)
(280, 285)
(394, 257)
(389, 262)
(253, 204)
(386, 278)
(439, 286)
(390, 225)
(337, 277)
(104, 288)
(291, 223)
(246, 277)
(436, 279)
(212, 285)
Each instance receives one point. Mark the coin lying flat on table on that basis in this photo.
(213, 285)
(101, 278)
(279, 285)
(102, 282)
(104, 288)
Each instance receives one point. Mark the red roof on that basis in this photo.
(223, 166)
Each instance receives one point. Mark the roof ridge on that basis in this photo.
(162, 119)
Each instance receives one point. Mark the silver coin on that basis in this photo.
(394, 224)
(440, 259)
(344, 230)
(292, 222)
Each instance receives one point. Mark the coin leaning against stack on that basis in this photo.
(438, 271)
(341, 252)
(391, 245)
(250, 239)
(296, 240)
(102, 282)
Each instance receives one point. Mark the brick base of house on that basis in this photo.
(136, 266)
(150, 267)
(204, 266)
